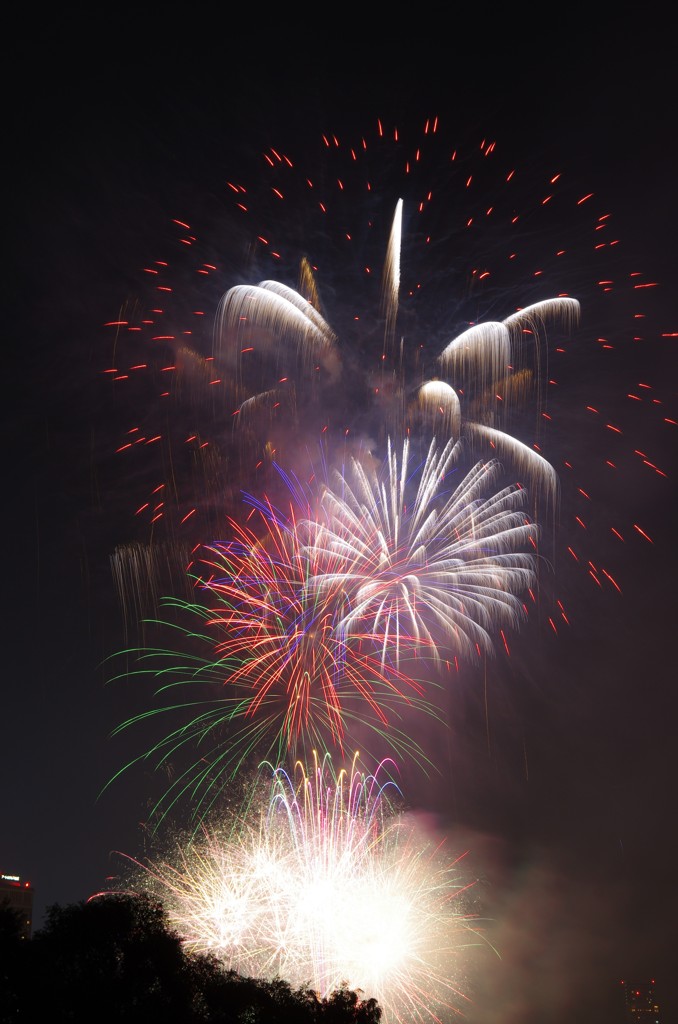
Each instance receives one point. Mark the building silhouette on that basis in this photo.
(18, 895)
(640, 1002)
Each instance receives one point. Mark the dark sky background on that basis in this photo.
(107, 140)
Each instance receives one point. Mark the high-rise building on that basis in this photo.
(19, 895)
(640, 1002)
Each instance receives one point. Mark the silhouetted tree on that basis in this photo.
(110, 959)
(115, 959)
(345, 1005)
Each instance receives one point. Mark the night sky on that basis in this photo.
(563, 786)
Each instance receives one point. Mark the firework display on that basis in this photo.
(353, 477)
(312, 625)
(324, 883)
